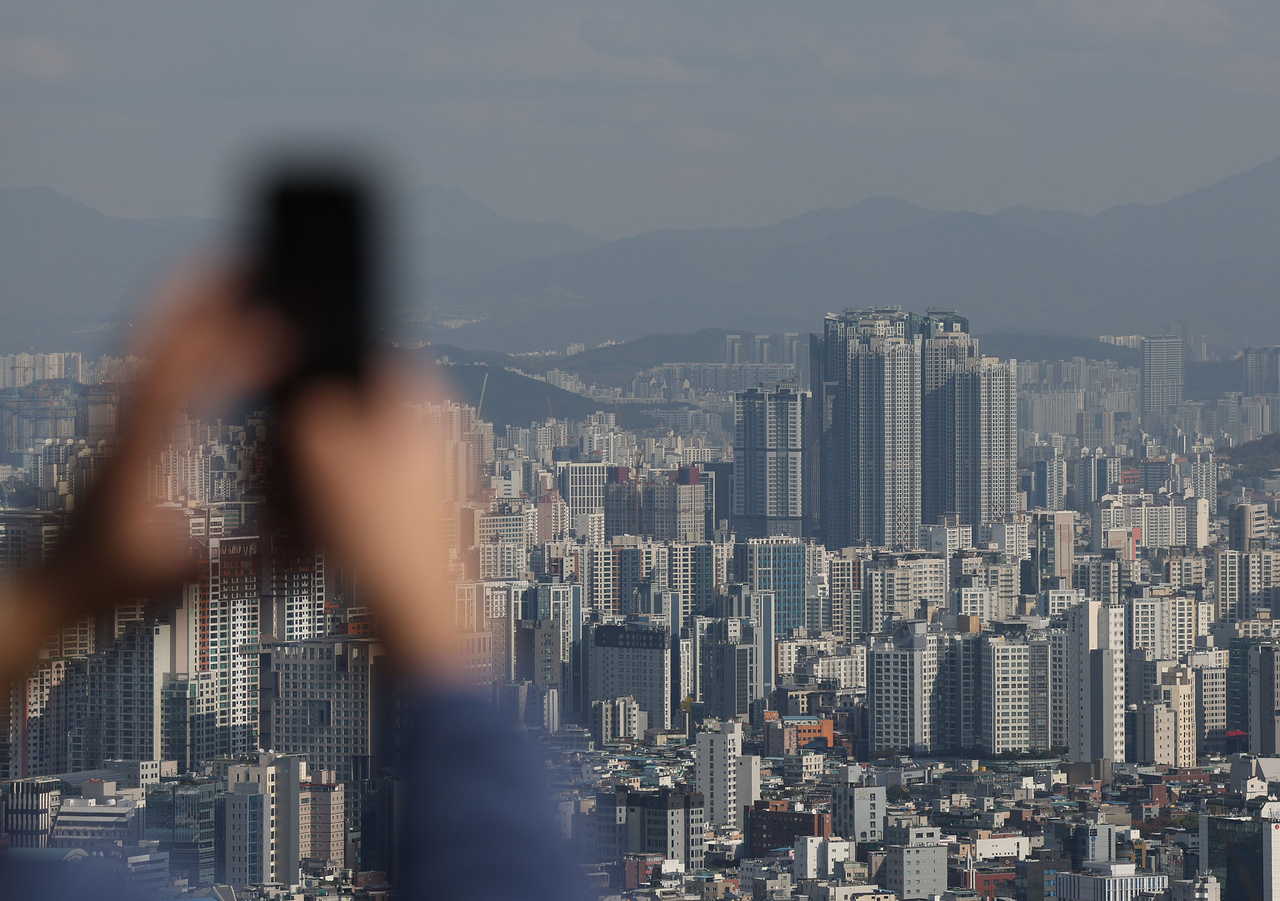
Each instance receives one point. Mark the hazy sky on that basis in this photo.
(621, 117)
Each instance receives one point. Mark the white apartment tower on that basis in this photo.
(1176, 691)
(1095, 682)
(1006, 702)
(582, 487)
(1164, 626)
(903, 692)
(296, 580)
(1162, 374)
(857, 810)
(728, 779)
(278, 781)
(221, 614)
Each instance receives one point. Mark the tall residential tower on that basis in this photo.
(871, 429)
(767, 472)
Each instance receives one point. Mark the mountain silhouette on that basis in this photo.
(72, 277)
(487, 282)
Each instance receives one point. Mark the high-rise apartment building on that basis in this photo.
(1261, 370)
(1165, 626)
(870, 457)
(674, 507)
(582, 487)
(630, 661)
(1247, 584)
(1162, 376)
(1247, 527)
(1176, 693)
(729, 674)
(777, 565)
(637, 562)
(1095, 682)
(1203, 475)
(668, 822)
(1005, 702)
(322, 822)
(600, 581)
(295, 578)
(1053, 551)
(617, 719)
(263, 818)
(767, 462)
(621, 503)
(1264, 700)
(904, 703)
(1210, 669)
(844, 588)
(321, 703)
(1050, 484)
(221, 618)
(1094, 476)
(969, 426)
(126, 701)
(1046, 689)
(691, 571)
(44, 719)
(1161, 526)
(727, 779)
(893, 586)
(910, 422)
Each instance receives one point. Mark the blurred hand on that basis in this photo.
(365, 476)
(209, 350)
(368, 475)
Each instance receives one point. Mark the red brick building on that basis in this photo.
(768, 828)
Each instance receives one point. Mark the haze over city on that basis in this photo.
(619, 118)
(821, 452)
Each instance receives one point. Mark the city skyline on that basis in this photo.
(640, 451)
(1069, 571)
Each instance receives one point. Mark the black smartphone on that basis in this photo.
(315, 251)
(316, 265)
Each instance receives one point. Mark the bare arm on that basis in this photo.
(212, 349)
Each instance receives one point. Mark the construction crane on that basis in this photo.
(483, 385)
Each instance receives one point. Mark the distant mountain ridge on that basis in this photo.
(875, 215)
(65, 266)
(1209, 257)
(1234, 219)
(463, 237)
